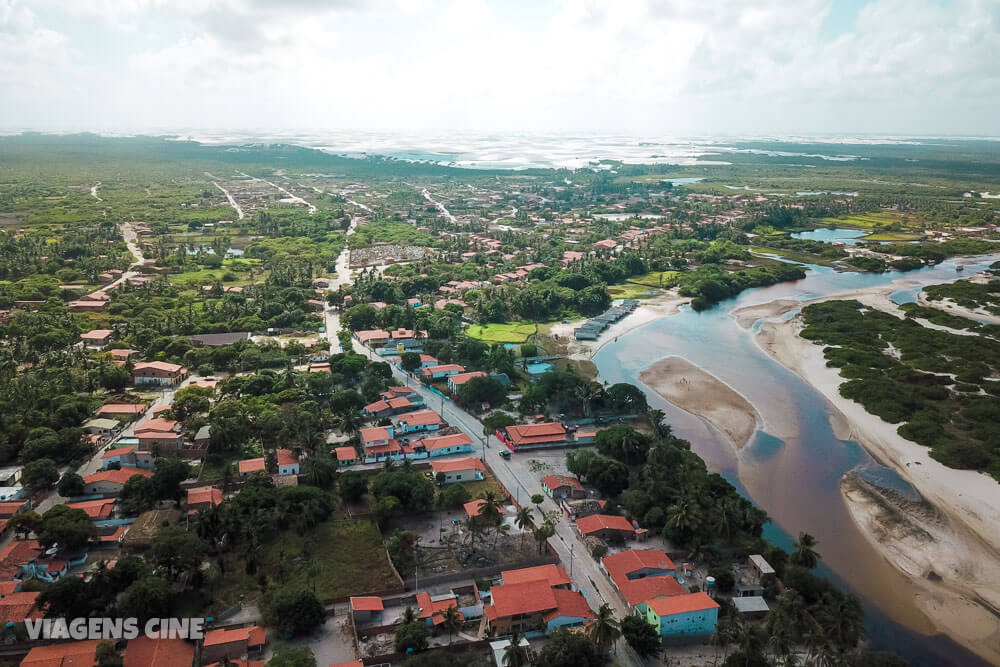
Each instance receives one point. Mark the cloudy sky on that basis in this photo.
(678, 67)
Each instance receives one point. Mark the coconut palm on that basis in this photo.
(451, 621)
(515, 655)
(605, 630)
(684, 515)
(409, 615)
(524, 521)
(805, 554)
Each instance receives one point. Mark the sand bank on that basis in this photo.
(649, 310)
(946, 546)
(696, 391)
(949, 306)
(746, 316)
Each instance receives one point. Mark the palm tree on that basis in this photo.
(684, 515)
(451, 621)
(524, 521)
(605, 630)
(840, 618)
(805, 554)
(515, 655)
(633, 445)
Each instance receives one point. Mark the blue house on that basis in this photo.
(692, 614)
(446, 445)
(413, 422)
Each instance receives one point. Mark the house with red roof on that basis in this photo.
(688, 615)
(288, 464)
(533, 605)
(367, 610)
(441, 371)
(562, 486)
(67, 654)
(145, 652)
(203, 498)
(468, 469)
(129, 456)
(446, 445)
(159, 433)
(346, 456)
(413, 422)
(233, 643)
(110, 482)
(158, 373)
(98, 510)
(553, 574)
(456, 381)
(433, 608)
(379, 409)
(372, 337)
(96, 339)
(121, 411)
(606, 526)
(549, 434)
(18, 606)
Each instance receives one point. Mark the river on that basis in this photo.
(793, 466)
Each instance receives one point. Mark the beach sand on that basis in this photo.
(696, 391)
(649, 310)
(746, 316)
(949, 306)
(947, 547)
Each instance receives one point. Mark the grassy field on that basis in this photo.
(656, 279)
(893, 236)
(874, 221)
(489, 483)
(508, 332)
(632, 291)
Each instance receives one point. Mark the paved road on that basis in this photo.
(523, 484)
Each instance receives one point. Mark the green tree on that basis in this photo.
(524, 520)
(148, 597)
(40, 475)
(353, 484)
(640, 635)
(482, 389)
(288, 655)
(451, 621)
(566, 648)
(167, 478)
(70, 484)
(604, 629)
(410, 361)
(805, 553)
(177, 550)
(70, 528)
(515, 655)
(411, 637)
(292, 611)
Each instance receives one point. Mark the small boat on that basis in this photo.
(960, 268)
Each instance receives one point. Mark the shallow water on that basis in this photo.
(792, 468)
(845, 236)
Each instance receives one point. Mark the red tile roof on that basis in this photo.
(252, 465)
(207, 494)
(530, 434)
(682, 604)
(366, 604)
(254, 636)
(454, 465)
(556, 481)
(620, 565)
(121, 409)
(95, 509)
(553, 575)
(120, 476)
(346, 453)
(145, 652)
(474, 508)
(159, 366)
(569, 604)
(349, 663)
(158, 424)
(286, 457)
(435, 610)
(422, 418)
(119, 451)
(70, 654)
(16, 607)
(442, 441)
(527, 598)
(595, 522)
(442, 368)
(461, 378)
(399, 402)
(377, 406)
(647, 588)
(374, 434)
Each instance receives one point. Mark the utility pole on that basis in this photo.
(571, 546)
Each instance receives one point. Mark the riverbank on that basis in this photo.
(948, 548)
(697, 391)
(648, 310)
(949, 306)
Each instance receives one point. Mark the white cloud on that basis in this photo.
(640, 66)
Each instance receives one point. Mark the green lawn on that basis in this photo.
(892, 236)
(656, 279)
(509, 332)
(631, 291)
(874, 221)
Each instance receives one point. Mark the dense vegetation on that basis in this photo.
(937, 385)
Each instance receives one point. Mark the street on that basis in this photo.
(521, 482)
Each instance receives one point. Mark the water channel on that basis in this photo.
(793, 466)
